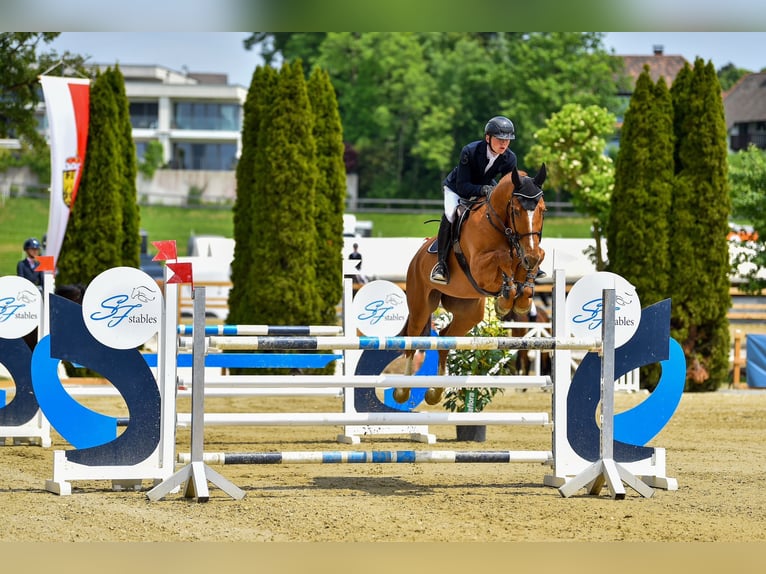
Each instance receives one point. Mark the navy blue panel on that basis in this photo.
(16, 356)
(650, 344)
(755, 369)
(126, 369)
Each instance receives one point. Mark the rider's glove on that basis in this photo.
(486, 189)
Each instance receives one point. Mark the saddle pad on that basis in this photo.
(432, 246)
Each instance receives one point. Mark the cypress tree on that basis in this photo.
(131, 218)
(330, 194)
(93, 241)
(638, 233)
(701, 207)
(250, 172)
(282, 276)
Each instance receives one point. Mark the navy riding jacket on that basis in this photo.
(468, 176)
(25, 269)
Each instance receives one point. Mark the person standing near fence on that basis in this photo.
(27, 267)
(356, 256)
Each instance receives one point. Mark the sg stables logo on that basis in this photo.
(380, 309)
(20, 307)
(122, 308)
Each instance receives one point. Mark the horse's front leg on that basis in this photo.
(402, 395)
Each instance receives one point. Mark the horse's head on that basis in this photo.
(520, 205)
(525, 214)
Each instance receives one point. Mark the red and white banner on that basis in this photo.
(67, 105)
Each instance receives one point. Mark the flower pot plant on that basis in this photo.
(477, 362)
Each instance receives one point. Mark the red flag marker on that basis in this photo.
(46, 263)
(166, 250)
(182, 273)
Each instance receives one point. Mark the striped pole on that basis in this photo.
(271, 330)
(373, 457)
(393, 343)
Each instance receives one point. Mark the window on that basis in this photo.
(144, 114)
(204, 156)
(206, 116)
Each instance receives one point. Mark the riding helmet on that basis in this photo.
(501, 128)
(31, 243)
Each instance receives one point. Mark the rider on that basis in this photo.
(27, 267)
(480, 162)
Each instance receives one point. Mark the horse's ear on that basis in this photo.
(540, 177)
(515, 179)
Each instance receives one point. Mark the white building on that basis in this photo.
(196, 117)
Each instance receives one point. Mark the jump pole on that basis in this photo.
(257, 343)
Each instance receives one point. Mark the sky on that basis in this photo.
(223, 52)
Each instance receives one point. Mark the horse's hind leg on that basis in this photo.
(466, 314)
(418, 324)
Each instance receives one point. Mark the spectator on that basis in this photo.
(27, 267)
(355, 255)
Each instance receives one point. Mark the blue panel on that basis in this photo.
(644, 421)
(80, 426)
(650, 344)
(126, 369)
(16, 355)
(255, 360)
(755, 369)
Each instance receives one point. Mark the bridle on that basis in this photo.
(529, 202)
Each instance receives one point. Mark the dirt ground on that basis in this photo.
(715, 449)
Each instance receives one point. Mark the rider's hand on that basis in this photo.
(486, 190)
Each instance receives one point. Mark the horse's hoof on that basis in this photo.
(401, 395)
(434, 396)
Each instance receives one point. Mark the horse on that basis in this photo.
(496, 243)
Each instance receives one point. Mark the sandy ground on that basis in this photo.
(715, 449)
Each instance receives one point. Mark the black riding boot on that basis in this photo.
(440, 272)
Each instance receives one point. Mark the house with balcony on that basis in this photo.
(745, 109)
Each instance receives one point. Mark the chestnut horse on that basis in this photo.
(498, 249)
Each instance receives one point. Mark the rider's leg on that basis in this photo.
(440, 272)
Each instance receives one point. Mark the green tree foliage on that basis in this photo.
(382, 100)
(572, 145)
(638, 235)
(131, 217)
(410, 101)
(94, 237)
(330, 194)
(747, 180)
(281, 275)
(252, 182)
(699, 222)
(730, 74)
(23, 59)
(152, 160)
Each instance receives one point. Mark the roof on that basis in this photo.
(746, 100)
(659, 66)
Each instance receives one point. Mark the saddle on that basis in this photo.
(464, 208)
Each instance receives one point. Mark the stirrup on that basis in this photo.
(439, 274)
